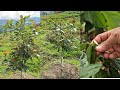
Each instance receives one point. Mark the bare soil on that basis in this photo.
(64, 71)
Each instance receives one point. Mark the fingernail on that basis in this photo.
(98, 47)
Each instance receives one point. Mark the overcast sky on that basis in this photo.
(16, 14)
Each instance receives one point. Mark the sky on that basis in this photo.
(16, 14)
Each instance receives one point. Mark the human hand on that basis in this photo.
(109, 42)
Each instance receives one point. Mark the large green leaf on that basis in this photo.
(96, 18)
(113, 68)
(113, 72)
(113, 18)
(86, 17)
(102, 74)
(90, 70)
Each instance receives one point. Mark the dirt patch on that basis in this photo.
(66, 71)
(24, 76)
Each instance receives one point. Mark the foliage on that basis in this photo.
(25, 48)
(38, 55)
(62, 36)
(94, 23)
(47, 22)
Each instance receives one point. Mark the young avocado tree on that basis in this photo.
(23, 33)
(62, 36)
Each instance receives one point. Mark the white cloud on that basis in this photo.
(16, 14)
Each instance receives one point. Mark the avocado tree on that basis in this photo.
(23, 33)
(62, 36)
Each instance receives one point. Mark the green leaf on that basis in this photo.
(95, 18)
(113, 72)
(83, 46)
(27, 17)
(90, 70)
(38, 29)
(3, 26)
(91, 53)
(99, 30)
(86, 17)
(102, 74)
(83, 59)
(113, 18)
(98, 19)
(11, 21)
(112, 69)
(117, 63)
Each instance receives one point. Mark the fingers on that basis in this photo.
(114, 55)
(104, 46)
(102, 37)
(108, 42)
(106, 55)
(111, 50)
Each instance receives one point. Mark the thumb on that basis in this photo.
(104, 46)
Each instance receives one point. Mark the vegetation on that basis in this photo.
(34, 49)
(60, 47)
(94, 23)
(63, 35)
